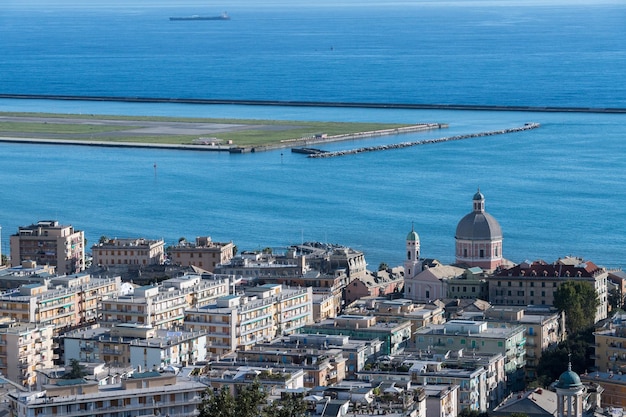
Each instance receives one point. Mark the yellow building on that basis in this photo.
(204, 254)
(49, 243)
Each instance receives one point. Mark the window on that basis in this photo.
(465, 253)
(509, 283)
(543, 293)
(509, 293)
(473, 289)
(532, 293)
(408, 255)
(532, 284)
(427, 294)
(520, 283)
(543, 284)
(499, 283)
(482, 253)
(464, 289)
(554, 284)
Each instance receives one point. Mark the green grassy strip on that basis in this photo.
(283, 130)
(60, 128)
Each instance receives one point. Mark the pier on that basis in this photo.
(527, 126)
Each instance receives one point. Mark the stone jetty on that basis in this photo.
(527, 126)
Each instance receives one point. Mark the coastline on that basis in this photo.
(374, 105)
(231, 148)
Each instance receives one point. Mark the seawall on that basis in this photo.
(527, 126)
(316, 103)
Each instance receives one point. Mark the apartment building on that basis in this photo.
(142, 394)
(240, 321)
(25, 348)
(610, 344)
(309, 348)
(150, 305)
(545, 329)
(204, 253)
(198, 291)
(395, 334)
(135, 346)
(61, 301)
(375, 284)
(536, 283)
(472, 392)
(479, 336)
(49, 243)
(128, 252)
(321, 367)
(441, 400)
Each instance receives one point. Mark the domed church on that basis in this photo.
(479, 237)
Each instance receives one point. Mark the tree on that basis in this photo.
(577, 349)
(221, 403)
(383, 266)
(580, 301)
(103, 239)
(292, 406)
(218, 403)
(77, 370)
(615, 299)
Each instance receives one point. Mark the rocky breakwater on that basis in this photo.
(527, 126)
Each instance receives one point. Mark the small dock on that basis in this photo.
(308, 151)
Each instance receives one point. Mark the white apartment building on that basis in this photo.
(142, 394)
(238, 322)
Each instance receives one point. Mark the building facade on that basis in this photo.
(536, 283)
(142, 394)
(25, 348)
(204, 254)
(49, 243)
(128, 252)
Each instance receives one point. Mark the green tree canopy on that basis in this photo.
(553, 362)
(292, 406)
(249, 402)
(579, 300)
(76, 371)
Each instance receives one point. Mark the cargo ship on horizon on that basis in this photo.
(223, 16)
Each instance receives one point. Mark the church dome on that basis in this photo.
(569, 379)
(478, 226)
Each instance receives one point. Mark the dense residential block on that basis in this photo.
(60, 301)
(536, 283)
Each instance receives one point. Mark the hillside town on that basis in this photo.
(129, 327)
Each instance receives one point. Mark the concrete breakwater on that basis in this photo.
(527, 126)
(362, 135)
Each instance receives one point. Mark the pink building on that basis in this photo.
(479, 238)
(375, 284)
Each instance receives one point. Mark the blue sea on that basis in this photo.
(558, 190)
